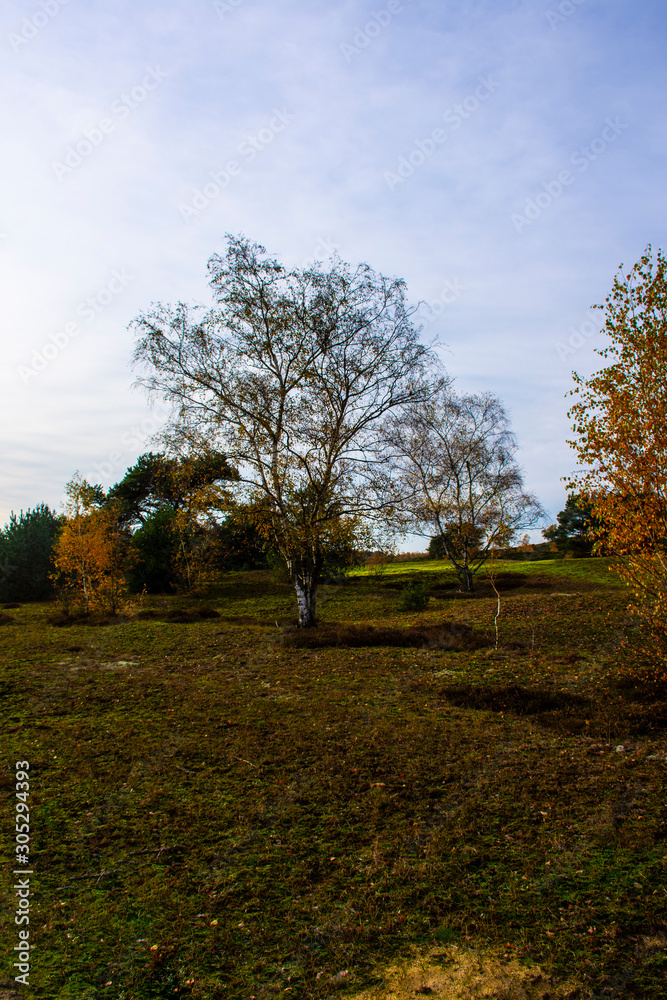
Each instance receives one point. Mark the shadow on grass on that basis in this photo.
(514, 698)
(447, 635)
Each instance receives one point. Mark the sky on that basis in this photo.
(503, 157)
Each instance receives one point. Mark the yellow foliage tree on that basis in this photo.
(90, 552)
(620, 419)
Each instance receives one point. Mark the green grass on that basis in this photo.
(218, 815)
(589, 570)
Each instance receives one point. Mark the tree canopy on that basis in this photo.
(291, 373)
(620, 423)
(157, 481)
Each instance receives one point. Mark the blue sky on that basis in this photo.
(503, 157)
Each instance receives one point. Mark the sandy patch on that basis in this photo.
(453, 973)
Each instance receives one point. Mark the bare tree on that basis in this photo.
(292, 372)
(460, 482)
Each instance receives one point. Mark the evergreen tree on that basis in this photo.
(573, 533)
(26, 550)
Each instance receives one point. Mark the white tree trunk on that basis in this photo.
(305, 596)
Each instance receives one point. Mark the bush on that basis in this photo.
(414, 597)
(26, 551)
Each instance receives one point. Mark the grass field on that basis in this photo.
(219, 812)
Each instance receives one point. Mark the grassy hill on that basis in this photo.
(220, 811)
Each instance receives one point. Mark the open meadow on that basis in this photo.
(225, 808)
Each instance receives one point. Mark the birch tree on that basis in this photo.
(291, 373)
(460, 480)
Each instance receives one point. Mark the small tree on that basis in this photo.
(460, 482)
(90, 551)
(620, 422)
(26, 554)
(291, 373)
(414, 596)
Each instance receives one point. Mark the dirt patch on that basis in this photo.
(504, 582)
(455, 973)
(6, 619)
(446, 635)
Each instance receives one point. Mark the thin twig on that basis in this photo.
(495, 589)
(495, 620)
(245, 761)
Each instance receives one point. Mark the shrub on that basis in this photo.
(414, 597)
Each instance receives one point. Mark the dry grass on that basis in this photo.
(455, 973)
